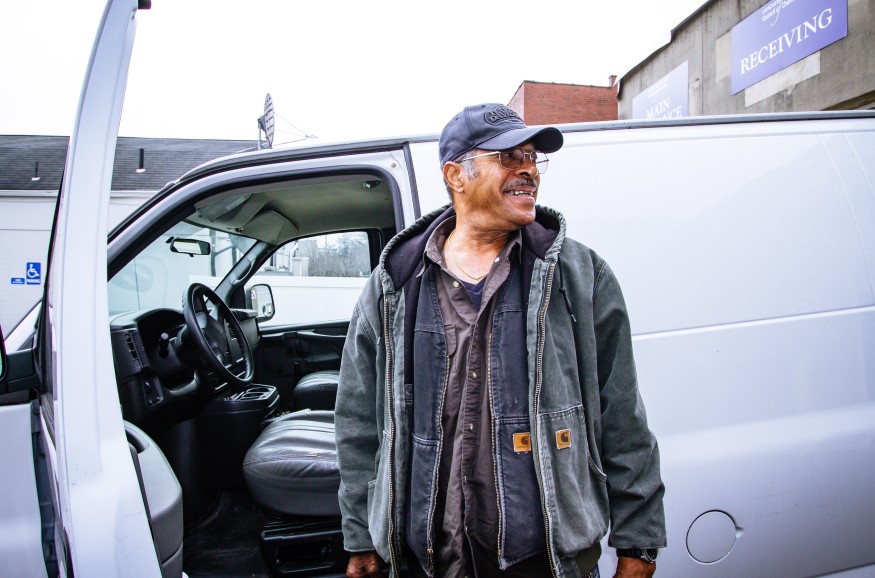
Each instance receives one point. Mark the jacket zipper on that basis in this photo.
(494, 450)
(542, 315)
(391, 466)
(437, 469)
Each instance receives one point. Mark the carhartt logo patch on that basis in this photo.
(501, 114)
(563, 439)
(522, 442)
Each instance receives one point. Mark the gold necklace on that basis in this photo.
(476, 278)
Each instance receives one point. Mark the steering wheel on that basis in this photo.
(212, 335)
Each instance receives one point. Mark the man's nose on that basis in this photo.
(528, 169)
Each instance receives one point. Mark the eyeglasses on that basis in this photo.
(514, 159)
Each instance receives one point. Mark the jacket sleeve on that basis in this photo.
(357, 428)
(629, 451)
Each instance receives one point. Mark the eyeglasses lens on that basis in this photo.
(514, 159)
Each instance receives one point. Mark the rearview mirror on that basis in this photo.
(260, 298)
(189, 246)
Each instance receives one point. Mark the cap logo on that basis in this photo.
(501, 114)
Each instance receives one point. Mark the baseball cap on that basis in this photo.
(493, 127)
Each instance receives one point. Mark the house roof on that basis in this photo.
(24, 157)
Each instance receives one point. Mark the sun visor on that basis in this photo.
(270, 227)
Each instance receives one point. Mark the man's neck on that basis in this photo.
(470, 252)
(473, 241)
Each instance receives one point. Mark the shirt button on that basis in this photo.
(470, 427)
(497, 259)
(474, 374)
(465, 479)
(455, 283)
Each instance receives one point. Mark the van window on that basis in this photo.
(316, 278)
(159, 275)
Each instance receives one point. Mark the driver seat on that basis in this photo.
(291, 469)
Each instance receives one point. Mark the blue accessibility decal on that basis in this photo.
(17, 280)
(33, 273)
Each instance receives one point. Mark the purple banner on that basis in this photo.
(783, 32)
(668, 97)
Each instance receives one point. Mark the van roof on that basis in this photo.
(393, 143)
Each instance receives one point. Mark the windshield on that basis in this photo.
(159, 276)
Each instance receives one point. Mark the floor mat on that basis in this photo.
(227, 546)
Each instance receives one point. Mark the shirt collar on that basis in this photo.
(434, 248)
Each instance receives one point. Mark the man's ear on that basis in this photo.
(454, 176)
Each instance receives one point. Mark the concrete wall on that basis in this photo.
(839, 76)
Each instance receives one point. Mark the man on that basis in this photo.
(488, 418)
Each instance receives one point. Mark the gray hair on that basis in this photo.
(468, 164)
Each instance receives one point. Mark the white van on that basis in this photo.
(745, 247)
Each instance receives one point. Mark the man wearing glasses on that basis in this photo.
(488, 418)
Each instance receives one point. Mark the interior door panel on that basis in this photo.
(286, 354)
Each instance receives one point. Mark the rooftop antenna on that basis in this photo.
(266, 124)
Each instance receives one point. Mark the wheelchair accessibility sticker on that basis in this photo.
(32, 275)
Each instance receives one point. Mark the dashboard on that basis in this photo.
(159, 371)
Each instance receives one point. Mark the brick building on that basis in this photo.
(554, 103)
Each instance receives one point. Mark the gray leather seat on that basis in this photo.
(317, 390)
(292, 467)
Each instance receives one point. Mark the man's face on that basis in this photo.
(497, 198)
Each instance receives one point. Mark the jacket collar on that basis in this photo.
(402, 257)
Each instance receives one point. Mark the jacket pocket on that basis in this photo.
(521, 521)
(421, 494)
(575, 492)
(378, 502)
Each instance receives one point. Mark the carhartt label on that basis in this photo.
(563, 439)
(522, 442)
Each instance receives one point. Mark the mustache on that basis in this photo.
(520, 183)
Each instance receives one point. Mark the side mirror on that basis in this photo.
(260, 298)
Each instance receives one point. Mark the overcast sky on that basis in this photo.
(336, 70)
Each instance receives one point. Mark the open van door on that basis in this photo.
(95, 519)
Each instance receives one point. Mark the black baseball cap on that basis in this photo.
(493, 127)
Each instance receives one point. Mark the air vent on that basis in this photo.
(135, 348)
(129, 338)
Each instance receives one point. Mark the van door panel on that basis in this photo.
(767, 422)
(21, 552)
(287, 354)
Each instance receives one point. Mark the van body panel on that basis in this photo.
(430, 186)
(20, 553)
(853, 155)
(700, 241)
